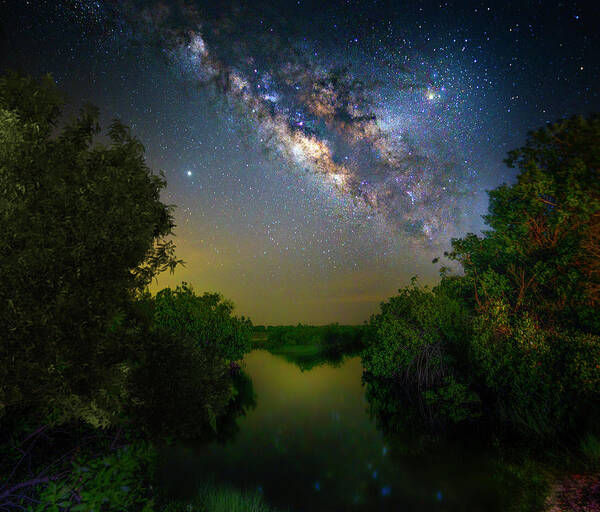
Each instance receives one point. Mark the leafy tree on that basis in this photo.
(535, 279)
(207, 319)
(412, 336)
(83, 230)
(521, 326)
(416, 349)
(542, 253)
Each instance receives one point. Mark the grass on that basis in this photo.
(212, 498)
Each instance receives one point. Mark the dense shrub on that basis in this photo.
(418, 342)
(542, 382)
(413, 337)
(73, 467)
(114, 482)
(207, 319)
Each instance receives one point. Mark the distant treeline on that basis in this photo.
(333, 336)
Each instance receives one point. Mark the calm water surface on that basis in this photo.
(310, 445)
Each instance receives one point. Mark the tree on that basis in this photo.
(207, 319)
(535, 279)
(521, 326)
(83, 231)
(542, 254)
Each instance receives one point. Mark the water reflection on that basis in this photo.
(308, 357)
(310, 444)
(404, 420)
(244, 401)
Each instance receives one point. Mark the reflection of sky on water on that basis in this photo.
(310, 445)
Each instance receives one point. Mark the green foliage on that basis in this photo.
(114, 482)
(418, 342)
(416, 336)
(332, 338)
(287, 335)
(207, 319)
(521, 327)
(542, 254)
(453, 400)
(542, 382)
(308, 346)
(83, 230)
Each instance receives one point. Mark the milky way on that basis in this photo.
(321, 116)
(319, 154)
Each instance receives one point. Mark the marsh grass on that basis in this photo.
(214, 498)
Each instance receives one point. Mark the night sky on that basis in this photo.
(319, 154)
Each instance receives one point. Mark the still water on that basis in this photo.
(309, 444)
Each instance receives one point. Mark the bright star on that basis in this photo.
(189, 173)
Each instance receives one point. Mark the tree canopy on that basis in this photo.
(207, 319)
(83, 231)
(542, 253)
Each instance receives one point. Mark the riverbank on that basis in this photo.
(575, 493)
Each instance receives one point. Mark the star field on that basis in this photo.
(319, 154)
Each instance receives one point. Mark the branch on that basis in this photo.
(27, 452)
(36, 432)
(31, 483)
(545, 201)
(28, 483)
